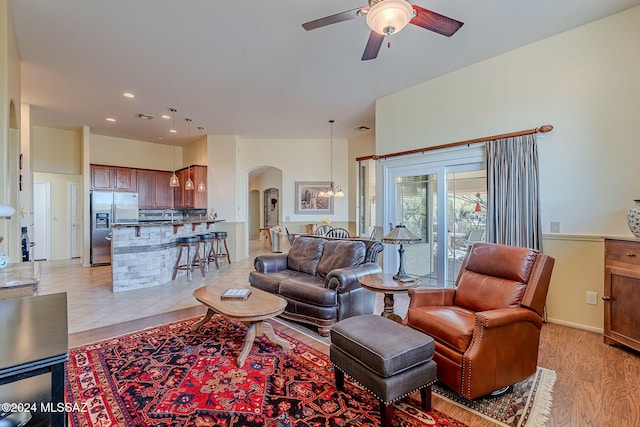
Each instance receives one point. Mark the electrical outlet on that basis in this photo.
(555, 226)
(592, 298)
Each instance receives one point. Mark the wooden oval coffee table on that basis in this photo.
(253, 312)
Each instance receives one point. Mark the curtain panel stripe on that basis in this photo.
(513, 205)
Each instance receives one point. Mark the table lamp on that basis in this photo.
(401, 235)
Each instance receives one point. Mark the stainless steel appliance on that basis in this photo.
(108, 208)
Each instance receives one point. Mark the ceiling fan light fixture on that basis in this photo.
(388, 17)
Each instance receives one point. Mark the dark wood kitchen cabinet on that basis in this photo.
(164, 193)
(191, 198)
(101, 177)
(146, 189)
(113, 178)
(622, 292)
(154, 191)
(125, 179)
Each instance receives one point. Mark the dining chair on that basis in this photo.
(339, 233)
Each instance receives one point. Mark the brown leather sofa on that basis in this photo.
(487, 328)
(319, 278)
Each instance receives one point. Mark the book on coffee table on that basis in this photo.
(236, 293)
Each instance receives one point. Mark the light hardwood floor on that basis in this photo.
(597, 384)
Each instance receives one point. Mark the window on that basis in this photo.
(367, 199)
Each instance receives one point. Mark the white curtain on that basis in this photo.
(513, 205)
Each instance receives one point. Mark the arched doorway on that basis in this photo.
(266, 209)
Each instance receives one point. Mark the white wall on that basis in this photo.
(56, 150)
(586, 83)
(300, 160)
(9, 131)
(132, 153)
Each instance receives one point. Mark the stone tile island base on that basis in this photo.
(143, 255)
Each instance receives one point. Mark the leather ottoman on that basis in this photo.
(388, 359)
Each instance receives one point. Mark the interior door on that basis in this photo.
(41, 220)
(75, 220)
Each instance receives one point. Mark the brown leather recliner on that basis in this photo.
(487, 328)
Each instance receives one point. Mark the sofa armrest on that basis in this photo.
(431, 296)
(269, 263)
(346, 279)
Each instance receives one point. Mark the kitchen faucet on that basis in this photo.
(167, 211)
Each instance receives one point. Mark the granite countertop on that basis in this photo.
(168, 222)
(19, 280)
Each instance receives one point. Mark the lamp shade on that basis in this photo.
(401, 234)
(389, 16)
(6, 211)
(174, 181)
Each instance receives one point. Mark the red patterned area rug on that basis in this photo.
(169, 376)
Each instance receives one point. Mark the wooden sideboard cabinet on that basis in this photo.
(622, 292)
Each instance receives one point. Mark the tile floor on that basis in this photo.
(92, 304)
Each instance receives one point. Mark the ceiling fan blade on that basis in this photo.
(435, 22)
(373, 46)
(333, 19)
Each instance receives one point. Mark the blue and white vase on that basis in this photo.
(633, 219)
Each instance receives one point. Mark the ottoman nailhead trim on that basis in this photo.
(381, 399)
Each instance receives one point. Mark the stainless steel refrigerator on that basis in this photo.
(108, 208)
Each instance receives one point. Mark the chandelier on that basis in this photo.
(330, 191)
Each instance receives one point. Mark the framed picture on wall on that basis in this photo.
(308, 200)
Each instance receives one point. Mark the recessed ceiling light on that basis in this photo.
(173, 131)
(144, 116)
(128, 95)
(111, 119)
(166, 116)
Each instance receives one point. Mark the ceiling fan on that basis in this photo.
(386, 17)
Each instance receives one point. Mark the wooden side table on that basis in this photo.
(384, 283)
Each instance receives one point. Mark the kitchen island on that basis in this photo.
(143, 254)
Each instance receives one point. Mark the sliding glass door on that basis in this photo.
(444, 203)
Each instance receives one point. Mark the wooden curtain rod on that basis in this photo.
(541, 129)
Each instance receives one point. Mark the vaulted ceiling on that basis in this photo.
(247, 67)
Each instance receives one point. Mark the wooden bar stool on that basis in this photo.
(191, 243)
(220, 238)
(206, 244)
